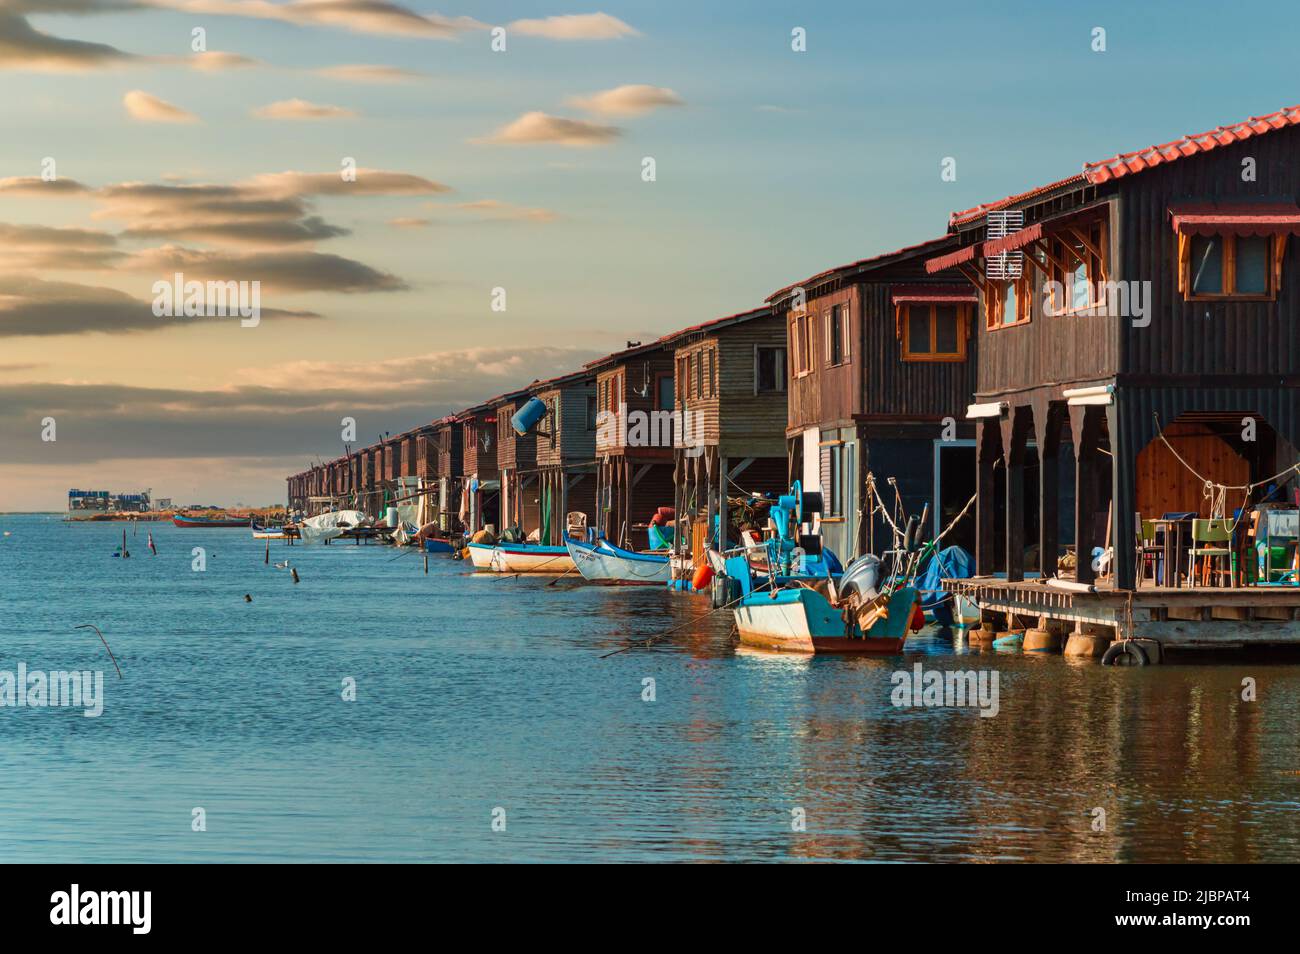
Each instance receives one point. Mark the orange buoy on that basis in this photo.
(702, 578)
(918, 618)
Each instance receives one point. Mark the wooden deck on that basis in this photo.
(1183, 618)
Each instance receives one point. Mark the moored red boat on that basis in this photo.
(181, 520)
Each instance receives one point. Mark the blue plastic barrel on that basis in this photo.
(527, 416)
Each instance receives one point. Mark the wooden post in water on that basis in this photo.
(125, 552)
(426, 562)
(268, 552)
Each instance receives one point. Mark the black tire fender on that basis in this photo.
(1124, 652)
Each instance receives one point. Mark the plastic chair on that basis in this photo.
(1149, 550)
(576, 525)
(1212, 531)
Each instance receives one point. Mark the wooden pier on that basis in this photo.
(1189, 618)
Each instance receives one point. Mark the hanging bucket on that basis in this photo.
(527, 416)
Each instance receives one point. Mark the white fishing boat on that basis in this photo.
(480, 554)
(605, 563)
(529, 558)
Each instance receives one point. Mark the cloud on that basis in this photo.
(294, 271)
(505, 211)
(410, 223)
(369, 73)
(249, 418)
(361, 16)
(27, 247)
(36, 186)
(150, 109)
(213, 60)
(22, 46)
(301, 109)
(538, 127)
(271, 233)
(627, 100)
(32, 307)
(365, 182)
(575, 26)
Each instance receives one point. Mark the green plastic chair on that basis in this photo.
(1212, 531)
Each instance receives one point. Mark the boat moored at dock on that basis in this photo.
(605, 563)
(181, 520)
(529, 558)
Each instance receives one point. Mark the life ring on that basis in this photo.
(1124, 652)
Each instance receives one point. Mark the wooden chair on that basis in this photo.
(1212, 532)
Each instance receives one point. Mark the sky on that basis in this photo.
(498, 146)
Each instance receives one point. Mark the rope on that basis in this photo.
(1216, 492)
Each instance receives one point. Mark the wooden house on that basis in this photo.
(634, 440)
(880, 368)
(516, 465)
(730, 408)
(1143, 310)
(481, 482)
(448, 437)
(566, 452)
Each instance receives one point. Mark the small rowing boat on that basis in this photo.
(181, 520)
(529, 558)
(605, 563)
(267, 533)
(480, 554)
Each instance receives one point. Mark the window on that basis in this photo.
(697, 375)
(1226, 266)
(800, 341)
(591, 416)
(836, 332)
(769, 370)
(1077, 265)
(663, 392)
(934, 332)
(708, 374)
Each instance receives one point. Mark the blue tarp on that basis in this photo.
(953, 563)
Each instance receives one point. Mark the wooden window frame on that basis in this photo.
(963, 319)
(783, 382)
(1273, 269)
(801, 339)
(994, 304)
(659, 377)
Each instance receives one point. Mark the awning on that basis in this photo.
(1242, 218)
(943, 262)
(1017, 239)
(933, 294)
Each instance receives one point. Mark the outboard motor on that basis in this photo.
(861, 581)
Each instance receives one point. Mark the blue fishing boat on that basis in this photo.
(796, 611)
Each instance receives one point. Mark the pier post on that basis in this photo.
(987, 453)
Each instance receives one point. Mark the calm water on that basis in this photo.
(477, 693)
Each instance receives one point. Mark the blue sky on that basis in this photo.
(775, 165)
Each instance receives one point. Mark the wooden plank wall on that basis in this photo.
(751, 424)
(1203, 338)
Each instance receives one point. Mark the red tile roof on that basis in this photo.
(1128, 163)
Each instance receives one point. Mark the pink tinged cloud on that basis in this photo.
(358, 16)
(146, 108)
(575, 26)
(538, 128)
(300, 109)
(630, 100)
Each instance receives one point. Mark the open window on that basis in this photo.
(1232, 251)
(769, 370)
